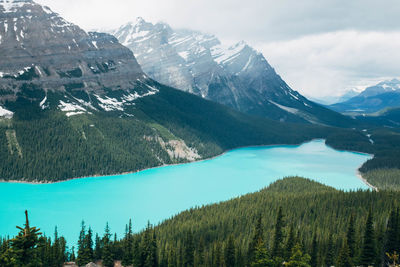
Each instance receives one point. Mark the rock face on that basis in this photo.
(237, 76)
(40, 52)
(385, 94)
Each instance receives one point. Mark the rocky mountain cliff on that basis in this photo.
(237, 76)
(41, 53)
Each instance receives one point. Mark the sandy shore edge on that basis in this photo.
(359, 175)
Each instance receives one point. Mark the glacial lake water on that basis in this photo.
(157, 194)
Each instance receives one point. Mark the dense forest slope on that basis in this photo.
(319, 218)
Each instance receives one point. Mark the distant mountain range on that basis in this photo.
(237, 76)
(349, 94)
(373, 99)
(76, 104)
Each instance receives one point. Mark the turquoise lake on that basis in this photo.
(157, 194)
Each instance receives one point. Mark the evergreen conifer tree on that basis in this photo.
(258, 234)
(392, 232)
(24, 247)
(351, 237)
(277, 250)
(97, 255)
(298, 259)
(128, 245)
(344, 259)
(81, 257)
(107, 256)
(330, 253)
(261, 258)
(229, 253)
(188, 257)
(289, 243)
(368, 254)
(217, 255)
(314, 252)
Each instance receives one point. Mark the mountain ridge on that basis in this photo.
(385, 94)
(77, 104)
(237, 76)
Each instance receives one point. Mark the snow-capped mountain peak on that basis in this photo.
(237, 75)
(8, 6)
(382, 87)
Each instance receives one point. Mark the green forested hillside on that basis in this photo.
(44, 144)
(310, 211)
(388, 179)
(294, 221)
(47, 145)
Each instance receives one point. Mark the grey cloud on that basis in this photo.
(261, 20)
(321, 47)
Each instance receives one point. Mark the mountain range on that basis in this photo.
(76, 104)
(237, 76)
(375, 98)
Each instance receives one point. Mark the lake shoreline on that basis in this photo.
(358, 174)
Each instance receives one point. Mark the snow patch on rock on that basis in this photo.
(6, 113)
(110, 104)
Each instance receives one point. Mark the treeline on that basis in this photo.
(294, 222)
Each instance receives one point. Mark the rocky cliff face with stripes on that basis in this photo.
(41, 54)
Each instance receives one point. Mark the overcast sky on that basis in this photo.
(320, 47)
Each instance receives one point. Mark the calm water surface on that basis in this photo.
(157, 194)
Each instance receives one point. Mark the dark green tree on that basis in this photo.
(368, 254)
(257, 236)
(107, 256)
(330, 253)
(24, 247)
(229, 253)
(128, 245)
(351, 237)
(81, 258)
(137, 254)
(200, 255)
(289, 243)
(188, 257)
(261, 257)
(314, 252)
(344, 259)
(392, 232)
(172, 257)
(298, 258)
(88, 247)
(277, 250)
(217, 255)
(148, 248)
(97, 253)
